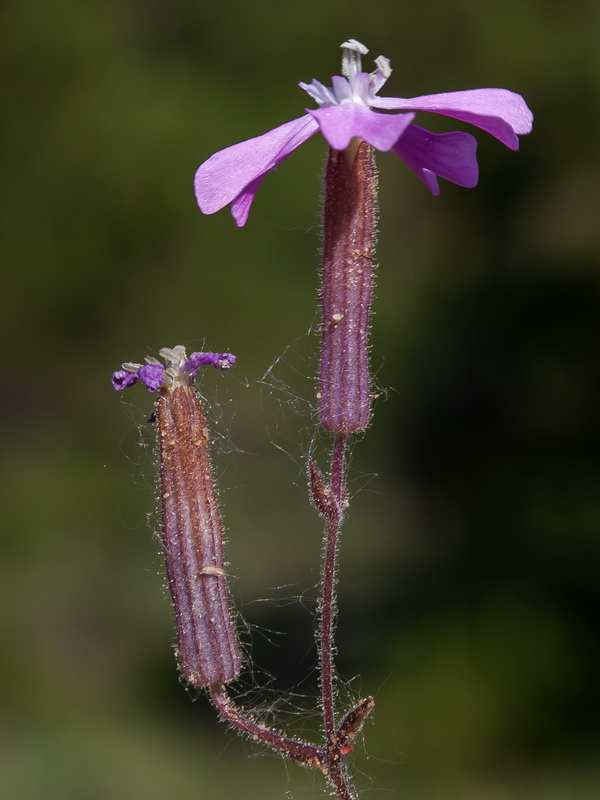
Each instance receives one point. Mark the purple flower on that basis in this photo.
(232, 176)
(181, 370)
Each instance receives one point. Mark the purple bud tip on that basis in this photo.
(217, 360)
(122, 379)
(151, 375)
(225, 361)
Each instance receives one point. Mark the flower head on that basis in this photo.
(180, 371)
(345, 112)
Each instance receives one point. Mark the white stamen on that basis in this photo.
(383, 65)
(354, 44)
(175, 355)
(381, 74)
(356, 86)
(352, 50)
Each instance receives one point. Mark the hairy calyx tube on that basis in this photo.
(346, 288)
(192, 536)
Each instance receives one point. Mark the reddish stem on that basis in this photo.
(334, 511)
(306, 754)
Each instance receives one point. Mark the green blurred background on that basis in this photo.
(469, 595)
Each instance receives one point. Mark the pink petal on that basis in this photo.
(342, 123)
(449, 155)
(502, 113)
(235, 173)
(240, 207)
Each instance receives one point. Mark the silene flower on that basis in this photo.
(351, 110)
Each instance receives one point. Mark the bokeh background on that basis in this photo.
(469, 595)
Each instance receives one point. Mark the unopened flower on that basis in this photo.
(192, 531)
(345, 112)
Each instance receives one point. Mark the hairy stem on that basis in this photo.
(306, 754)
(333, 512)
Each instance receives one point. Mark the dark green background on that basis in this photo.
(469, 594)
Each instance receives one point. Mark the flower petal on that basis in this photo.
(218, 360)
(234, 174)
(502, 113)
(240, 207)
(122, 379)
(449, 155)
(340, 124)
(151, 375)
